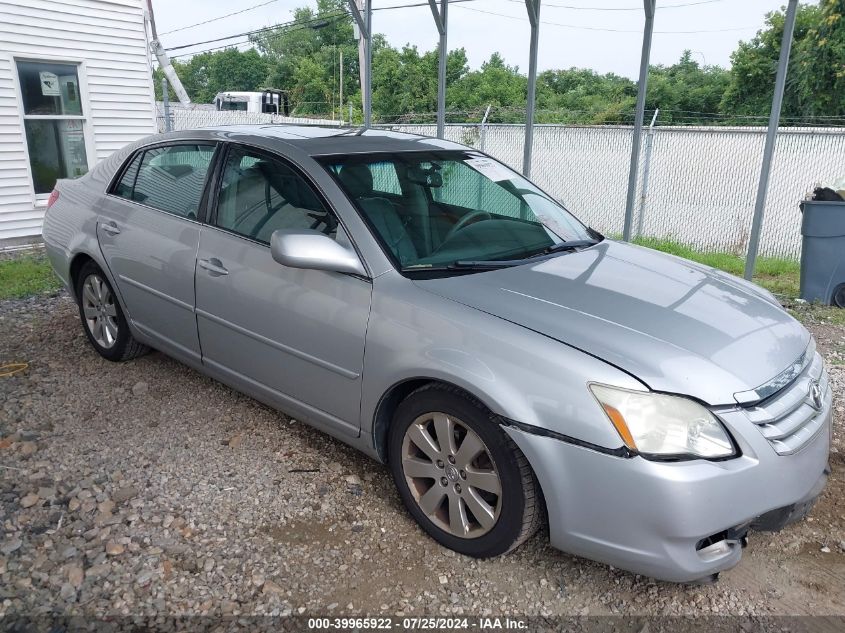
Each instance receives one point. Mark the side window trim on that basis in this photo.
(120, 173)
(210, 211)
(207, 187)
(137, 171)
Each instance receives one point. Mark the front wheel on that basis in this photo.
(460, 476)
(102, 319)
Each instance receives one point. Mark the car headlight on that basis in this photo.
(663, 426)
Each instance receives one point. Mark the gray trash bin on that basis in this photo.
(823, 252)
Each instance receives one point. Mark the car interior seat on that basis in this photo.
(382, 214)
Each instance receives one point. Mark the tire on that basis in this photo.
(838, 298)
(96, 298)
(508, 518)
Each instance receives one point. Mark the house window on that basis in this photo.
(52, 112)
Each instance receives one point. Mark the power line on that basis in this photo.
(318, 18)
(228, 15)
(639, 8)
(213, 48)
(290, 29)
(598, 28)
(426, 4)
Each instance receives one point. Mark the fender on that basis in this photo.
(515, 372)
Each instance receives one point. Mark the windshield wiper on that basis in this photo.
(461, 265)
(493, 264)
(571, 245)
(483, 264)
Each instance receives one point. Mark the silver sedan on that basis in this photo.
(426, 304)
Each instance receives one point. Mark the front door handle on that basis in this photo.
(110, 227)
(214, 266)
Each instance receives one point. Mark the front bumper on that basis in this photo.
(655, 518)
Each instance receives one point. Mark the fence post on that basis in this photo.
(771, 137)
(533, 7)
(482, 133)
(642, 84)
(165, 104)
(482, 136)
(649, 141)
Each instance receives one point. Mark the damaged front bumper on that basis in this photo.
(676, 521)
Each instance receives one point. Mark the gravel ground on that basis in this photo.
(146, 488)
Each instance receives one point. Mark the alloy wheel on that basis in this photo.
(100, 311)
(451, 475)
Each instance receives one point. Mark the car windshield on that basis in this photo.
(455, 210)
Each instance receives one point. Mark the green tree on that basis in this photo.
(580, 95)
(304, 57)
(495, 83)
(685, 92)
(405, 81)
(754, 65)
(820, 59)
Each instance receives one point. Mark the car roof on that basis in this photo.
(320, 140)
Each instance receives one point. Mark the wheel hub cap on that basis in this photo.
(451, 475)
(100, 311)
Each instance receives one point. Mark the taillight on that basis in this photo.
(54, 195)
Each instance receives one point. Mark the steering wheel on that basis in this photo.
(469, 218)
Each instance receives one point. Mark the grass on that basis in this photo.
(780, 276)
(25, 275)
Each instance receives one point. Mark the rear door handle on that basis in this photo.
(214, 266)
(110, 227)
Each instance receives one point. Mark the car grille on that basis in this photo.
(791, 418)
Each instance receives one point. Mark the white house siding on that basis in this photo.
(108, 39)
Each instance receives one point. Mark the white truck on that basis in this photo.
(265, 101)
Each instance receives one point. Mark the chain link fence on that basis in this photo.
(702, 181)
(202, 115)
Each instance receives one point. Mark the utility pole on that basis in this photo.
(163, 60)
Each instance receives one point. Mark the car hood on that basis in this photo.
(675, 325)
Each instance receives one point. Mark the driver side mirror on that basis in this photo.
(304, 248)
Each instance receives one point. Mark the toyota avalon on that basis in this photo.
(428, 305)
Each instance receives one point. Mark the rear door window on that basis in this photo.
(169, 178)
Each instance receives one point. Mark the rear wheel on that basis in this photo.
(460, 476)
(839, 296)
(102, 319)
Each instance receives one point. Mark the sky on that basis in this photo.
(603, 35)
